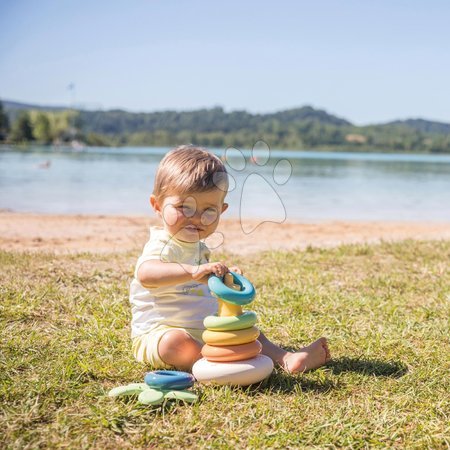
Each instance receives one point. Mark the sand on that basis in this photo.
(80, 233)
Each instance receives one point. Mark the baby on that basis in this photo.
(169, 294)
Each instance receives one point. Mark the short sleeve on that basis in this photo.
(205, 253)
(155, 249)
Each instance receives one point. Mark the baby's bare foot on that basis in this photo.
(308, 358)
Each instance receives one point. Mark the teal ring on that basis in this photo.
(242, 297)
(169, 379)
(230, 323)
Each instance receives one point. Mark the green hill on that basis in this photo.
(424, 126)
(298, 128)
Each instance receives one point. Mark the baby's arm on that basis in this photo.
(155, 273)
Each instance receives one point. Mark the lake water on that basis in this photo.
(316, 185)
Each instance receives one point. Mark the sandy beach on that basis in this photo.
(80, 233)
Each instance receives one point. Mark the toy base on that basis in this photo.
(238, 373)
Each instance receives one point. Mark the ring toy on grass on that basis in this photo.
(238, 373)
(129, 389)
(230, 323)
(231, 352)
(236, 337)
(244, 296)
(185, 396)
(154, 397)
(169, 379)
(151, 397)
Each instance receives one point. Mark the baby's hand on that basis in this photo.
(236, 269)
(201, 273)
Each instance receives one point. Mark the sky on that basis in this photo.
(365, 61)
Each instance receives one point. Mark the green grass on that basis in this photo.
(64, 324)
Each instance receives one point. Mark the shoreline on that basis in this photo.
(68, 234)
(363, 150)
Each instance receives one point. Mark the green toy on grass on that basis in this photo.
(148, 395)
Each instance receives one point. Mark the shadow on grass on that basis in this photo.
(281, 382)
(284, 383)
(375, 367)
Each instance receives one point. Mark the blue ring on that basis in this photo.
(169, 379)
(242, 297)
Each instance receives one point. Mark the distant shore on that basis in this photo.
(301, 127)
(78, 146)
(101, 233)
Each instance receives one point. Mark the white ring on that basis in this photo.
(236, 373)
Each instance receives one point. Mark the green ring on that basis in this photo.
(129, 389)
(151, 397)
(230, 323)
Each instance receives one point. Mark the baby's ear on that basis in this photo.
(155, 204)
(224, 207)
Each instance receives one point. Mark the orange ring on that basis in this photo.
(236, 337)
(231, 352)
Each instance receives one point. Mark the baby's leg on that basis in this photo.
(307, 358)
(179, 349)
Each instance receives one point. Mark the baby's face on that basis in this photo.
(191, 217)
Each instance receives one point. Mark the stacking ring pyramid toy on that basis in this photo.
(231, 354)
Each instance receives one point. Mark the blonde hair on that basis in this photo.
(187, 169)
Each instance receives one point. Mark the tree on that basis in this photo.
(4, 123)
(21, 129)
(41, 128)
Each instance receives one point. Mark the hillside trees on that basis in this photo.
(303, 128)
(42, 131)
(46, 127)
(21, 130)
(4, 123)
